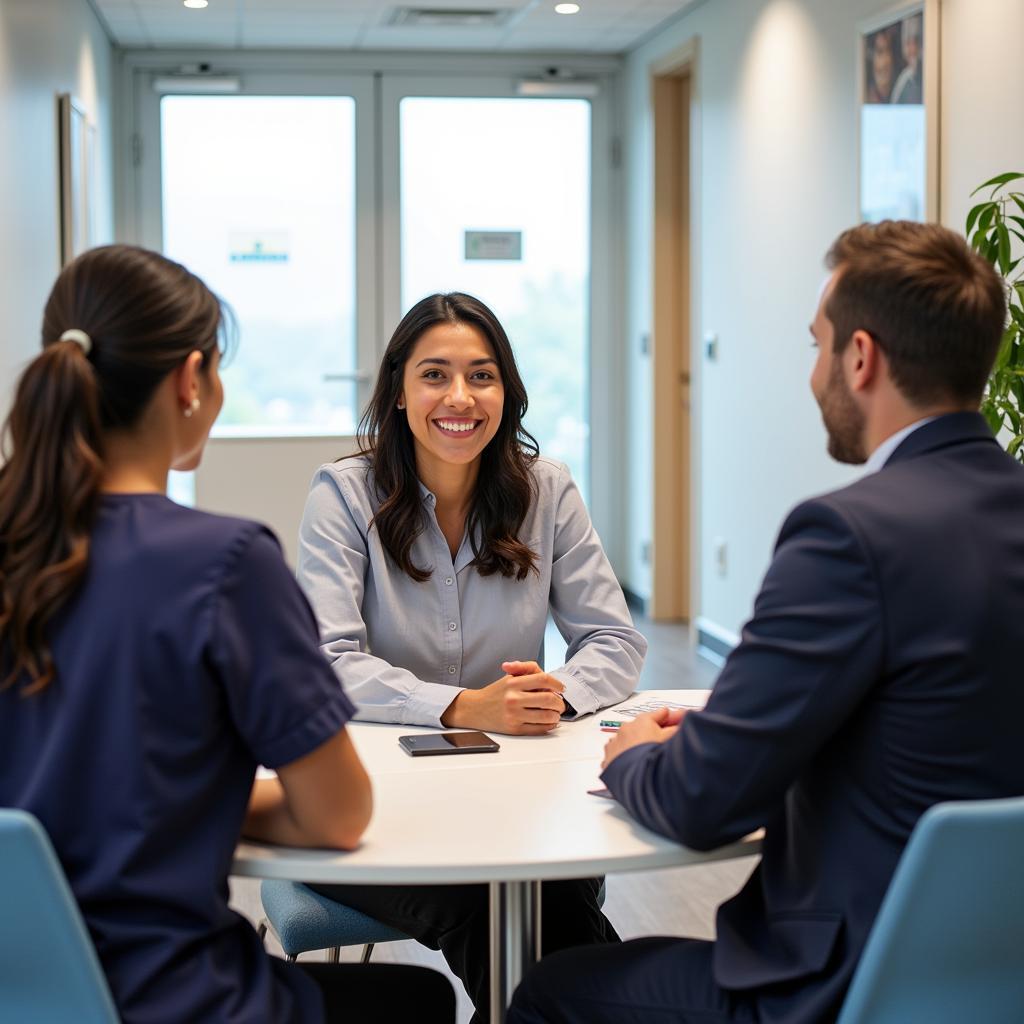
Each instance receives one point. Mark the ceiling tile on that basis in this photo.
(602, 25)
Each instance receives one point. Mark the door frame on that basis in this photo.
(146, 226)
(675, 348)
(600, 303)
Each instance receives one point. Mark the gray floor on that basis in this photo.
(676, 901)
(671, 661)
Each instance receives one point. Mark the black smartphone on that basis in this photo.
(424, 744)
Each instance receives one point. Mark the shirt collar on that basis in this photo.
(880, 456)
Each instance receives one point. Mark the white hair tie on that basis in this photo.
(79, 338)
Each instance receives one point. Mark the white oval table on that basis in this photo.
(512, 819)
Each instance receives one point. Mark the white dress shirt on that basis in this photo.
(402, 649)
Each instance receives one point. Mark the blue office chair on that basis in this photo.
(303, 920)
(948, 944)
(49, 971)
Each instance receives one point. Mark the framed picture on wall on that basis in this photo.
(898, 88)
(77, 136)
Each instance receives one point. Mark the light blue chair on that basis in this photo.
(302, 920)
(49, 972)
(948, 944)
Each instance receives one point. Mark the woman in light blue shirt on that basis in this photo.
(432, 560)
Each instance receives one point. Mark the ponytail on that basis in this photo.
(143, 314)
(48, 493)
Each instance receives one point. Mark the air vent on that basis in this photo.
(450, 17)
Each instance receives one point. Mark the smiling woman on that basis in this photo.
(449, 368)
(432, 560)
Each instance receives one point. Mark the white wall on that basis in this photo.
(776, 82)
(46, 47)
(265, 479)
(982, 85)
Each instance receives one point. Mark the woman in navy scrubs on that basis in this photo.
(151, 656)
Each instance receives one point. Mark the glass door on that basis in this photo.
(269, 195)
(259, 201)
(494, 199)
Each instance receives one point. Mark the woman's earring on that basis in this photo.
(401, 405)
(191, 408)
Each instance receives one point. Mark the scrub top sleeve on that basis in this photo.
(281, 694)
(605, 653)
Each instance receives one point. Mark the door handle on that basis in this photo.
(358, 376)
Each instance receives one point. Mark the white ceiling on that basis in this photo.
(602, 26)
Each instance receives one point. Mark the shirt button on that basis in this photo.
(452, 626)
(449, 581)
(451, 670)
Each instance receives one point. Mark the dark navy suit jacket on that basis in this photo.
(881, 673)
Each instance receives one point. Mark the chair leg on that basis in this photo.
(334, 955)
(367, 953)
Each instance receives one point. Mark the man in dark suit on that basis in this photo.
(880, 672)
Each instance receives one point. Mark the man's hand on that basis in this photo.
(524, 702)
(655, 727)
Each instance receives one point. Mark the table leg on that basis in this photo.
(515, 939)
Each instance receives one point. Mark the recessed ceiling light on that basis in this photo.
(567, 8)
(197, 5)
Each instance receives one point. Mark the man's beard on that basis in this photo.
(843, 419)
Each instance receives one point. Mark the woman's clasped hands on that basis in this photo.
(526, 701)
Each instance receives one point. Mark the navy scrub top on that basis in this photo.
(187, 657)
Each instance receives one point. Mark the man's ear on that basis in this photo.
(863, 359)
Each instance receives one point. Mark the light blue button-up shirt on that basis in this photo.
(402, 649)
(880, 456)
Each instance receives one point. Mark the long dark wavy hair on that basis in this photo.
(504, 486)
(144, 314)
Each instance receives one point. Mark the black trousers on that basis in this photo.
(456, 920)
(383, 993)
(645, 981)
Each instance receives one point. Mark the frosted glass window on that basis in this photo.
(259, 201)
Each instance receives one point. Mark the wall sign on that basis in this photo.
(494, 245)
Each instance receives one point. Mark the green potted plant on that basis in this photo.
(991, 227)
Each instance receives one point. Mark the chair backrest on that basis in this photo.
(49, 971)
(948, 944)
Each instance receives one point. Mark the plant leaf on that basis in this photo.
(999, 179)
(1003, 248)
(975, 212)
(992, 417)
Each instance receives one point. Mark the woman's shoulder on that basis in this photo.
(353, 471)
(550, 476)
(161, 533)
(349, 480)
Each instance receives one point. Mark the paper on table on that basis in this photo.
(653, 705)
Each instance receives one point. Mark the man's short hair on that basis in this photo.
(936, 308)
